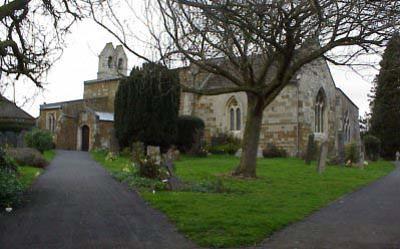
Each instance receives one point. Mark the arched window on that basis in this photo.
(238, 119)
(51, 122)
(232, 119)
(320, 106)
(235, 115)
(109, 62)
(120, 63)
(346, 127)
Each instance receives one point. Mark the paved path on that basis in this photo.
(76, 204)
(368, 218)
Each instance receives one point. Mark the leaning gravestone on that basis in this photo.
(173, 182)
(322, 157)
(310, 149)
(341, 153)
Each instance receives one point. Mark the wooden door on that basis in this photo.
(85, 138)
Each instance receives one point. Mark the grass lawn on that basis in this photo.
(49, 155)
(285, 191)
(27, 175)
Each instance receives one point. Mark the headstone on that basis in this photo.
(137, 152)
(259, 153)
(238, 153)
(322, 157)
(173, 182)
(153, 152)
(173, 154)
(310, 149)
(341, 153)
(361, 160)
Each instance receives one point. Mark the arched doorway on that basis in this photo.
(85, 138)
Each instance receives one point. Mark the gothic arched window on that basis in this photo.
(109, 62)
(235, 115)
(346, 127)
(238, 119)
(232, 119)
(320, 106)
(51, 122)
(120, 63)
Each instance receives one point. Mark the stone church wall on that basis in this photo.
(104, 88)
(288, 120)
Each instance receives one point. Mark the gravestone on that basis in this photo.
(137, 151)
(310, 149)
(361, 159)
(173, 182)
(341, 153)
(173, 153)
(238, 153)
(322, 157)
(153, 152)
(259, 153)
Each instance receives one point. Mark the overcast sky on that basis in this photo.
(79, 63)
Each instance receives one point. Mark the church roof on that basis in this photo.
(58, 105)
(102, 80)
(346, 96)
(9, 110)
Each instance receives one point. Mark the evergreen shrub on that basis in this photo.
(39, 139)
(352, 153)
(189, 128)
(372, 146)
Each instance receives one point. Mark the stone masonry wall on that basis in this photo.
(289, 119)
(107, 88)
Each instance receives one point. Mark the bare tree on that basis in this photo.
(32, 32)
(260, 45)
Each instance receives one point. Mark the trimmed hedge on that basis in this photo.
(188, 129)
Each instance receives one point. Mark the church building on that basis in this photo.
(311, 104)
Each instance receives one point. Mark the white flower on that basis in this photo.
(165, 180)
(154, 192)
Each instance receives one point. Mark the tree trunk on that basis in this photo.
(251, 137)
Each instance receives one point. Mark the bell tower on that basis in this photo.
(113, 62)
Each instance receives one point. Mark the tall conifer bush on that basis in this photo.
(146, 106)
(385, 120)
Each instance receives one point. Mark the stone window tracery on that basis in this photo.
(51, 122)
(346, 127)
(235, 115)
(320, 106)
